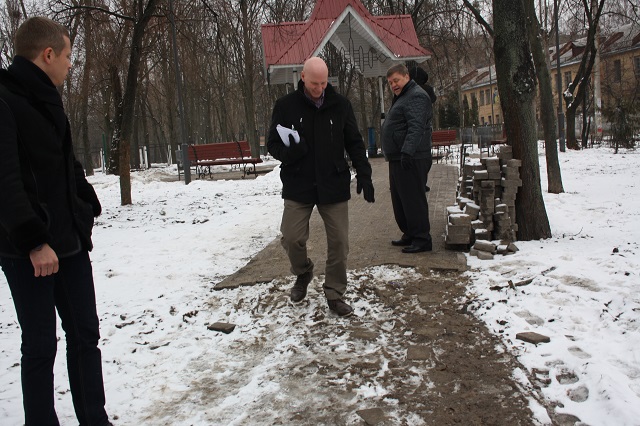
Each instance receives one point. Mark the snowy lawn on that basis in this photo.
(156, 262)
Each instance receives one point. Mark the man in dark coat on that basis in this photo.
(314, 172)
(406, 144)
(46, 217)
(421, 77)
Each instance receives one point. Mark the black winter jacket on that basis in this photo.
(44, 196)
(407, 125)
(322, 175)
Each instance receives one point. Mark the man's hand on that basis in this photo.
(44, 260)
(406, 161)
(295, 151)
(366, 186)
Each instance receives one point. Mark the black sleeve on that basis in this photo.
(24, 227)
(85, 189)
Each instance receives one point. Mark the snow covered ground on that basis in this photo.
(585, 293)
(156, 262)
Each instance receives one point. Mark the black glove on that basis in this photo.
(365, 185)
(294, 151)
(406, 161)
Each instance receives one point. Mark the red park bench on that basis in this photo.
(235, 154)
(441, 141)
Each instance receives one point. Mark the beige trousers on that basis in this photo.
(295, 233)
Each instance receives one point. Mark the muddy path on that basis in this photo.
(411, 355)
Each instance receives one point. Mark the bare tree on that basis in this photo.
(549, 124)
(517, 85)
(575, 93)
(517, 81)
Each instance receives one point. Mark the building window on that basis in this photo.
(617, 71)
(487, 93)
(481, 97)
(636, 66)
(567, 79)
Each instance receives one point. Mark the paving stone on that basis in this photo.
(483, 255)
(460, 219)
(459, 229)
(532, 337)
(419, 353)
(458, 239)
(372, 416)
(222, 327)
(364, 334)
(486, 246)
(472, 209)
(480, 175)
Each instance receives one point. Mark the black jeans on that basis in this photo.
(409, 200)
(72, 293)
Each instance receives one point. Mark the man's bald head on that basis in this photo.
(315, 75)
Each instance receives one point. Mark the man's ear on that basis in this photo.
(48, 55)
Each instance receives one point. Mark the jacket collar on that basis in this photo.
(34, 81)
(410, 84)
(328, 92)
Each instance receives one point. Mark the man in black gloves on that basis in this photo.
(46, 218)
(314, 172)
(406, 144)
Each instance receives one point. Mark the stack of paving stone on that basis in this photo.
(486, 205)
(466, 183)
(458, 229)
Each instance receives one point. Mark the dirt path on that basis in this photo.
(411, 355)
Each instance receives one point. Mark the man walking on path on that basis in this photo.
(406, 144)
(314, 172)
(46, 218)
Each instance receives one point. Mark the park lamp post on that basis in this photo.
(559, 81)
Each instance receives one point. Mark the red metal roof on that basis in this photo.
(292, 43)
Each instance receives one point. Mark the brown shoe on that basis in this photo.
(340, 308)
(299, 289)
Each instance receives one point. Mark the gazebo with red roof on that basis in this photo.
(371, 43)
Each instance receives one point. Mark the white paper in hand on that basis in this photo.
(284, 133)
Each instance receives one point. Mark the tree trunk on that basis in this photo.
(516, 84)
(171, 105)
(129, 100)
(572, 142)
(114, 151)
(547, 115)
(84, 107)
(247, 81)
(581, 80)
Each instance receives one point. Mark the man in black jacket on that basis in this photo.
(314, 172)
(406, 144)
(46, 217)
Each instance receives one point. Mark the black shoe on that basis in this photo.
(417, 249)
(299, 289)
(401, 242)
(340, 308)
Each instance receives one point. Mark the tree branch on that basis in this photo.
(476, 13)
